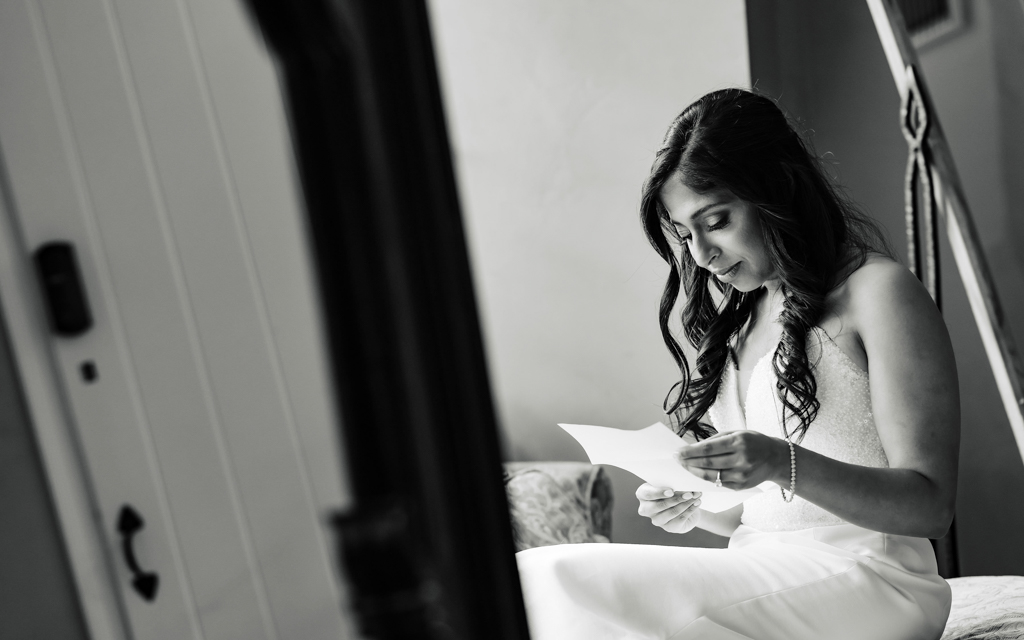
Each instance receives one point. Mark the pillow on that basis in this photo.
(555, 503)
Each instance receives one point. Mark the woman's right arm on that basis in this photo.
(678, 512)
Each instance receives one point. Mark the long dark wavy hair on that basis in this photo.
(814, 235)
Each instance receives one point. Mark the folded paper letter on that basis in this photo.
(649, 454)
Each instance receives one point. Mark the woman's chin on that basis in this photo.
(743, 287)
(739, 283)
(744, 281)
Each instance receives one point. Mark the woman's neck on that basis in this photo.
(758, 333)
(769, 305)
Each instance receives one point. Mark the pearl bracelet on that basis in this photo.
(792, 473)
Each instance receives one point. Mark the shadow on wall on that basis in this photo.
(826, 66)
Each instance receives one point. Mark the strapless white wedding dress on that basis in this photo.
(792, 571)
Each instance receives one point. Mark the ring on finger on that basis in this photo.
(718, 479)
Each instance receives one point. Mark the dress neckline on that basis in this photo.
(741, 401)
(750, 382)
(744, 401)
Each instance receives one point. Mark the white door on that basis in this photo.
(150, 135)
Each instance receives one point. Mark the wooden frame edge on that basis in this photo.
(52, 425)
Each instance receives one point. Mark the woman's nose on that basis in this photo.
(702, 251)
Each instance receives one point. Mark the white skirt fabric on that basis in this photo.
(837, 582)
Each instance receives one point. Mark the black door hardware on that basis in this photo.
(145, 583)
(63, 288)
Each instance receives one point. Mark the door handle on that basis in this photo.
(62, 286)
(145, 583)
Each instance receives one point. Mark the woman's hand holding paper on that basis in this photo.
(673, 511)
(744, 459)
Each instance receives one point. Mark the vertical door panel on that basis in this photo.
(246, 109)
(127, 131)
(131, 215)
(247, 101)
(52, 202)
(232, 325)
(131, 220)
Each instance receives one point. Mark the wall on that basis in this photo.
(1007, 19)
(556, 110)
(827, 67)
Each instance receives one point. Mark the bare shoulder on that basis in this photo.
(896, 322)
(879, 267)
(867, 290)
(879, 305)
(882, 292)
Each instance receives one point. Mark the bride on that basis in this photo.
(822, 366)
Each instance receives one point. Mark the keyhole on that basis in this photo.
(89, 372)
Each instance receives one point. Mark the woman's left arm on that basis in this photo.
(916, 405)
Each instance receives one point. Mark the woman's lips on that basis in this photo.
(727, 273)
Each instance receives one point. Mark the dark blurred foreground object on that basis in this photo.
(427, 550)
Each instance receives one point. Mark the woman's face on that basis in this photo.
(722, 233)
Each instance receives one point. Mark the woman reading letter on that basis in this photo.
(822, 366)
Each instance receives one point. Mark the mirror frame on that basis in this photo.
(427, 550)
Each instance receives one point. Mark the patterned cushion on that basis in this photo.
(558, 503)
(986, 608)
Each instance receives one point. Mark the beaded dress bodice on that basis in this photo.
(844, 428)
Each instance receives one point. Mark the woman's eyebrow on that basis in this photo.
(703, 211)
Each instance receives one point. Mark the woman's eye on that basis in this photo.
(719, 224)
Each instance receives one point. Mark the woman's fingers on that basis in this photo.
(651, 508)
(719, 444)
(673, 511)
(709, 454)
(714, 475)
(725, 461)
(659, 501)
(650, 492)
(680, 511)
